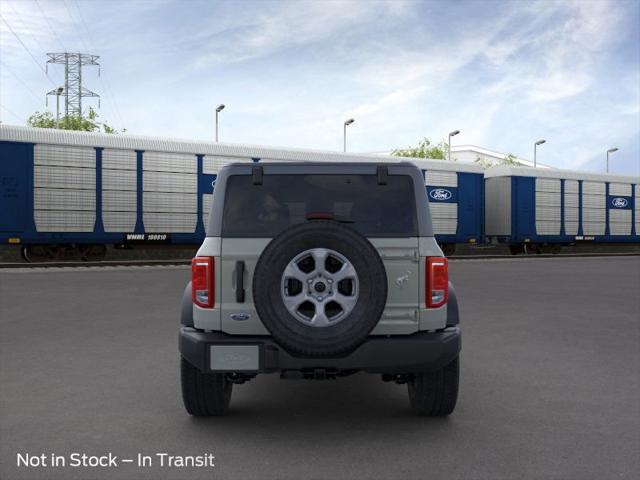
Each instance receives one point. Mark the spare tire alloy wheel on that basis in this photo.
(320, 287)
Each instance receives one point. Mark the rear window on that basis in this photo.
(284, 200)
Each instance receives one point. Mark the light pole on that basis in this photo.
(451, 134)
(611, 150)
(344, 136)
(59, 91)
(218, 110)
(535, 147)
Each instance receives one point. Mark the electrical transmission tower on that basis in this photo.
(73, 91)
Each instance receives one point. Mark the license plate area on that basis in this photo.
(234, 358)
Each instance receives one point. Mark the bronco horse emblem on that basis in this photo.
(401, 280)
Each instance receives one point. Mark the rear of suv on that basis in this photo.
(319, 270)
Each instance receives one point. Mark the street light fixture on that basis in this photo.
(451, 134)
(218, 110)
(611, 150)
(59, 91)
(344, 136)
(535, 147)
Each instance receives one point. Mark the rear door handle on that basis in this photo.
(240, 281)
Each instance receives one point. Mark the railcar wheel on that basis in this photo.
(516, 249)
(546, 249)
(93, 253)
(37, 253)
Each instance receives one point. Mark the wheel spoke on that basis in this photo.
(347, 271)
(293, 271)
(293, 302)
(319, 257)
(320, 319)
(319, 287)
(347, 302)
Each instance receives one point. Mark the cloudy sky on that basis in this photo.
(504, 73)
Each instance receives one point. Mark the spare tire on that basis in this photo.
(320, 288)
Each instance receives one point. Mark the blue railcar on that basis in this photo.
(64, 190)
(534, 210)
(456, 197)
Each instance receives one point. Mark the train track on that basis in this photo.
(102, 263)
(146, 263)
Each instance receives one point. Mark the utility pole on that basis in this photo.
(535, 152)
(611, 150)
(344, 133)
(451, 134)
(59, 91)
(73, 90)
(218, 110)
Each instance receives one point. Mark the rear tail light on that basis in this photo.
(437, 282)
(202, 281)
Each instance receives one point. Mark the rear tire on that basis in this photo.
(204, 394)
(434, 394)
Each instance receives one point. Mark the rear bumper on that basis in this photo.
(420, 352)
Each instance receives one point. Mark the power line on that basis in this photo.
(27, 49)
(32, 92)
(75, 27)
(105, 82)
(24, 27)
(44, 15)
(12, 113)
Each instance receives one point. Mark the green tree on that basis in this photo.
(510, 160)
(88, 123)
(425, 149)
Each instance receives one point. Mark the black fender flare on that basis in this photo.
(453, 313)
(186, 309)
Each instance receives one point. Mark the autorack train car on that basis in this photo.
(456, 195)
(64, 191)
(539, 210)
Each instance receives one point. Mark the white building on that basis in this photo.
(471, 154)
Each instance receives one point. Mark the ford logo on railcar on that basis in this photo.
(619, 202)
(440, 194)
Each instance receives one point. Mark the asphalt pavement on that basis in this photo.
(550, 384)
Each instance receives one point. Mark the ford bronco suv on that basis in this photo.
(315, 271)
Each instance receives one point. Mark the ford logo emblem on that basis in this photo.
(619, 202)
(240, 317)
(440, 194)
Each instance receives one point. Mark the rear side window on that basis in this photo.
(284, 200)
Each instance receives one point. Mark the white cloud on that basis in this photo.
(291, 72)
(284, 25)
